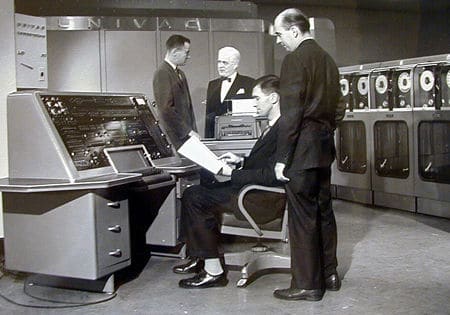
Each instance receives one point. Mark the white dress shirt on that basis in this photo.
(226, 85)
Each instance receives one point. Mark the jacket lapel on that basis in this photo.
(234, 88)
(216, 89)
(269, 137)
(174, 74)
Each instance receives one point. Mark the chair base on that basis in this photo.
(253, 263)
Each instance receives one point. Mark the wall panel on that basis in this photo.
(131, 60)
(74, 61)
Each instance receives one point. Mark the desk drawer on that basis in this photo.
(112, 231)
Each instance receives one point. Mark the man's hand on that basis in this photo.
(279, 169)
(226, 171)
(230, 158)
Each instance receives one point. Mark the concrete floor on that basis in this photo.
(391, 262)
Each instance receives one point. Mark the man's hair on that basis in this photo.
(269, 83)
(233, 52)
(176, 41)
(293, 16)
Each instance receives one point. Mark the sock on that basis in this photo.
(213, 266)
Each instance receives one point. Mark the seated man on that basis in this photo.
(202, 205)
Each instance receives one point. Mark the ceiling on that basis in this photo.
(386, 5)
(211, 8)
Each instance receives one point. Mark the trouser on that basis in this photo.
(312, 227)
(200, 215)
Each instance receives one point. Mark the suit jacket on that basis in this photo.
(259, 165)
(174, 103)
(309, 93)
(258, 169)
(214, 107)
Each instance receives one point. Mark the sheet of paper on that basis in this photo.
(245, 106)
(197, 152)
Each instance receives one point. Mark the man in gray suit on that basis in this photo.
(171, 92)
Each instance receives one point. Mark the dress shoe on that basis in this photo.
(194, 265)
(298, 294)
(333, 283)
(204, 280)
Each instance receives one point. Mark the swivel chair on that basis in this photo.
(260, 258)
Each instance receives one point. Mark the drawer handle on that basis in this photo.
(115, 204)
(116, 228)
(116, 253)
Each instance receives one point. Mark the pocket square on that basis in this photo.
(241, 91)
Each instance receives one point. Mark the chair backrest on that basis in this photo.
(275, 229)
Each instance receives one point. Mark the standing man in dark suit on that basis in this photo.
(309, 90)
(171, 92)
(202, 205)
(229, 85)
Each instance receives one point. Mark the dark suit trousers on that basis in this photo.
(312, 227)
(200, 217)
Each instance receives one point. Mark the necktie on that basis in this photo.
(180, 76)
(225, 79)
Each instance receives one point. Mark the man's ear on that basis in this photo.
(295, 31)
(173, 51)
(274, 97)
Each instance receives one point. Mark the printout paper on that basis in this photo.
(197, 152)
(246, 106)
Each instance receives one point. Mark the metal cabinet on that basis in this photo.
(111, 231)
(77, 234)
(165, 230)
(432, 138)
(351, 173)
(393, 139)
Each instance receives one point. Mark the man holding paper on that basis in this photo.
(202, 205)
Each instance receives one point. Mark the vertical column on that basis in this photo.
(7, 83)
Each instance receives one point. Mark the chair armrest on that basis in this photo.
(242, 209)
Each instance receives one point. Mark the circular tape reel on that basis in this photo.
(381, 84)
(427, 80)
(363, 87)
(345, 86)
(447, 79)
(404, 82)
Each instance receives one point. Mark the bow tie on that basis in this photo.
(225, 79)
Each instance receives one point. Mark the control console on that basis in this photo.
(87, 124)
